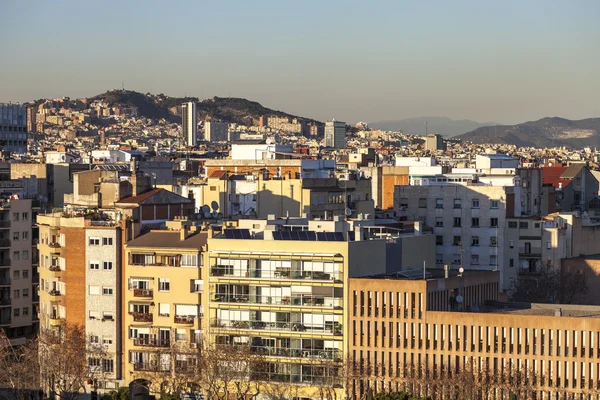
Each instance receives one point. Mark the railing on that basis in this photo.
(4, 242)
(5, 321)
(5, 301)
(533, 251)
(184, 320)
(151, 342)
(54, 268)
(284, 273)
(4, 224)
(151, 367)
(5, 263)
(319, 354)
(35, 260)
(35, 279)
(54, 292)
(4, 281)
(294, 300)
(335, 329)
(142, 317)
(148, 293)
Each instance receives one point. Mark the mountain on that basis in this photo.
(228, 109)
(545, 132)
(442, 125)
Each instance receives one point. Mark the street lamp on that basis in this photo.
(459, 298)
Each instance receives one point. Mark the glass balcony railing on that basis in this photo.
(293, 300)
(316, 354)
(328, 328)
(284, 273)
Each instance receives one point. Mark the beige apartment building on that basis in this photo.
(162, 303)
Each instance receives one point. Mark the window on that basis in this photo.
(107, 340)
(493, 260)
(422, 203)
(16, 274)
(456, 241)
(439, 221)
(457, 222)
(494, 222)
(404, 202)
(107, 265)
(512, 224)
(439, 259)
(94, 242)
(493, 204)
(16, 217)
(523, 225)
(164, 309)
(16, 235)
(189, 260)
(511, 244)
(25, 311)
(213, 188)
(493, 241)
(25, 292)
(475, 222)
(536, 225)
(475, 241)
(94, 290)
(94, 362)
(108, 365)
(474, 259)
(25, 235)
(16, 255)
(456, 259)
(439, 240)
(108, 315)
(164, 285)
(548, 245)
(95, 265)
(94, 339)
(16, 312)
(25, 255)
(25, 274)
(439, 203)
(16, 293)
(25, 216)
(475, 203)
(107, 291)
(511, 262)
(107, 241)
(457, 203)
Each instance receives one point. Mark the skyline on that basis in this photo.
(506, 63)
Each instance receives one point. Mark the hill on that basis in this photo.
(545, 132)
(442, 125)
(228, 109)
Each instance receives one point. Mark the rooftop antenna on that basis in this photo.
(123, 85)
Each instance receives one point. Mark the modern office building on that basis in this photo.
(13, 128)
(425, 334)
(335, 134)
(163, 290)
(189, 123)
(216, 131)
(434, 142)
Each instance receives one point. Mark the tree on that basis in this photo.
(548, 285)
(19, 366)
(68, 362)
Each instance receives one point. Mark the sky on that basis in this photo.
(502, 61)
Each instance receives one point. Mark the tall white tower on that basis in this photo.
(189, 123)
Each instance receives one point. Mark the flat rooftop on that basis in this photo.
(548, 310)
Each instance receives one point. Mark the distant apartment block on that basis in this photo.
(189, 123)
(216, 131)
(13, 128)
(335, 134)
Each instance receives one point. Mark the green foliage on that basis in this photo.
(122, 394)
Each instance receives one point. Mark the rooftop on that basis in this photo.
(549, 310)
(163, 239)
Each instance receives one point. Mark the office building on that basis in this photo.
(189, 123)
(335, 134)
(13, 128)
(216, 131)
(434, 142)
(425, 335)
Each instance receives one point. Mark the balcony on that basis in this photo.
(315, 354)
(54, 295)
(151, 342)
(151, 367)
(223, 271)
(184, 320)
(144, 293)
(55, 319)
(4, 263)
(54, 270)
(335, 328)
(4, 243)
(294, 300)
(5, 281)
(530, 252)
(4, 224)
(4, 301)
(142, 317)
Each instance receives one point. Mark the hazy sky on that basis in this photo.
(503, 61)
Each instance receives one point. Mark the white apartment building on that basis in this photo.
(189, 123)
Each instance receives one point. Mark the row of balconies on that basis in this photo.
(334, 328)
(149, 318)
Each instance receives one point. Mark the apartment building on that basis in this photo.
(416, 330)
(13, 128)
(216, 131)
(335, 134)
(80, 282)
(283, 292)
(163, 290)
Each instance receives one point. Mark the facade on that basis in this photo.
(412, 331)
(13, 128)
(189, 123)
(216, 131)
(335, 134)
(163, 291)
(434, 142)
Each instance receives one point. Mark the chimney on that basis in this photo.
(184, 231)
(558, 313)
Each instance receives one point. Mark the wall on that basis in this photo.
(75, 274)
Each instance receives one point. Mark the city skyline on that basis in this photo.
(505, 63)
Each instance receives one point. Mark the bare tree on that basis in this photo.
(19, 366)
(68, 361)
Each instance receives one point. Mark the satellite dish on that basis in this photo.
(348, 212)
(459, 299)
(205, 209)
(214, 205)
(461, 270)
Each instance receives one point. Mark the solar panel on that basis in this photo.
(294, 235)
(338, 236)
(276, 235)
(302, 235)
(237, 234)
(245, 234)
(311, 235)
(330, 236)
(351, 236)
(321, 237)
(228, 234)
